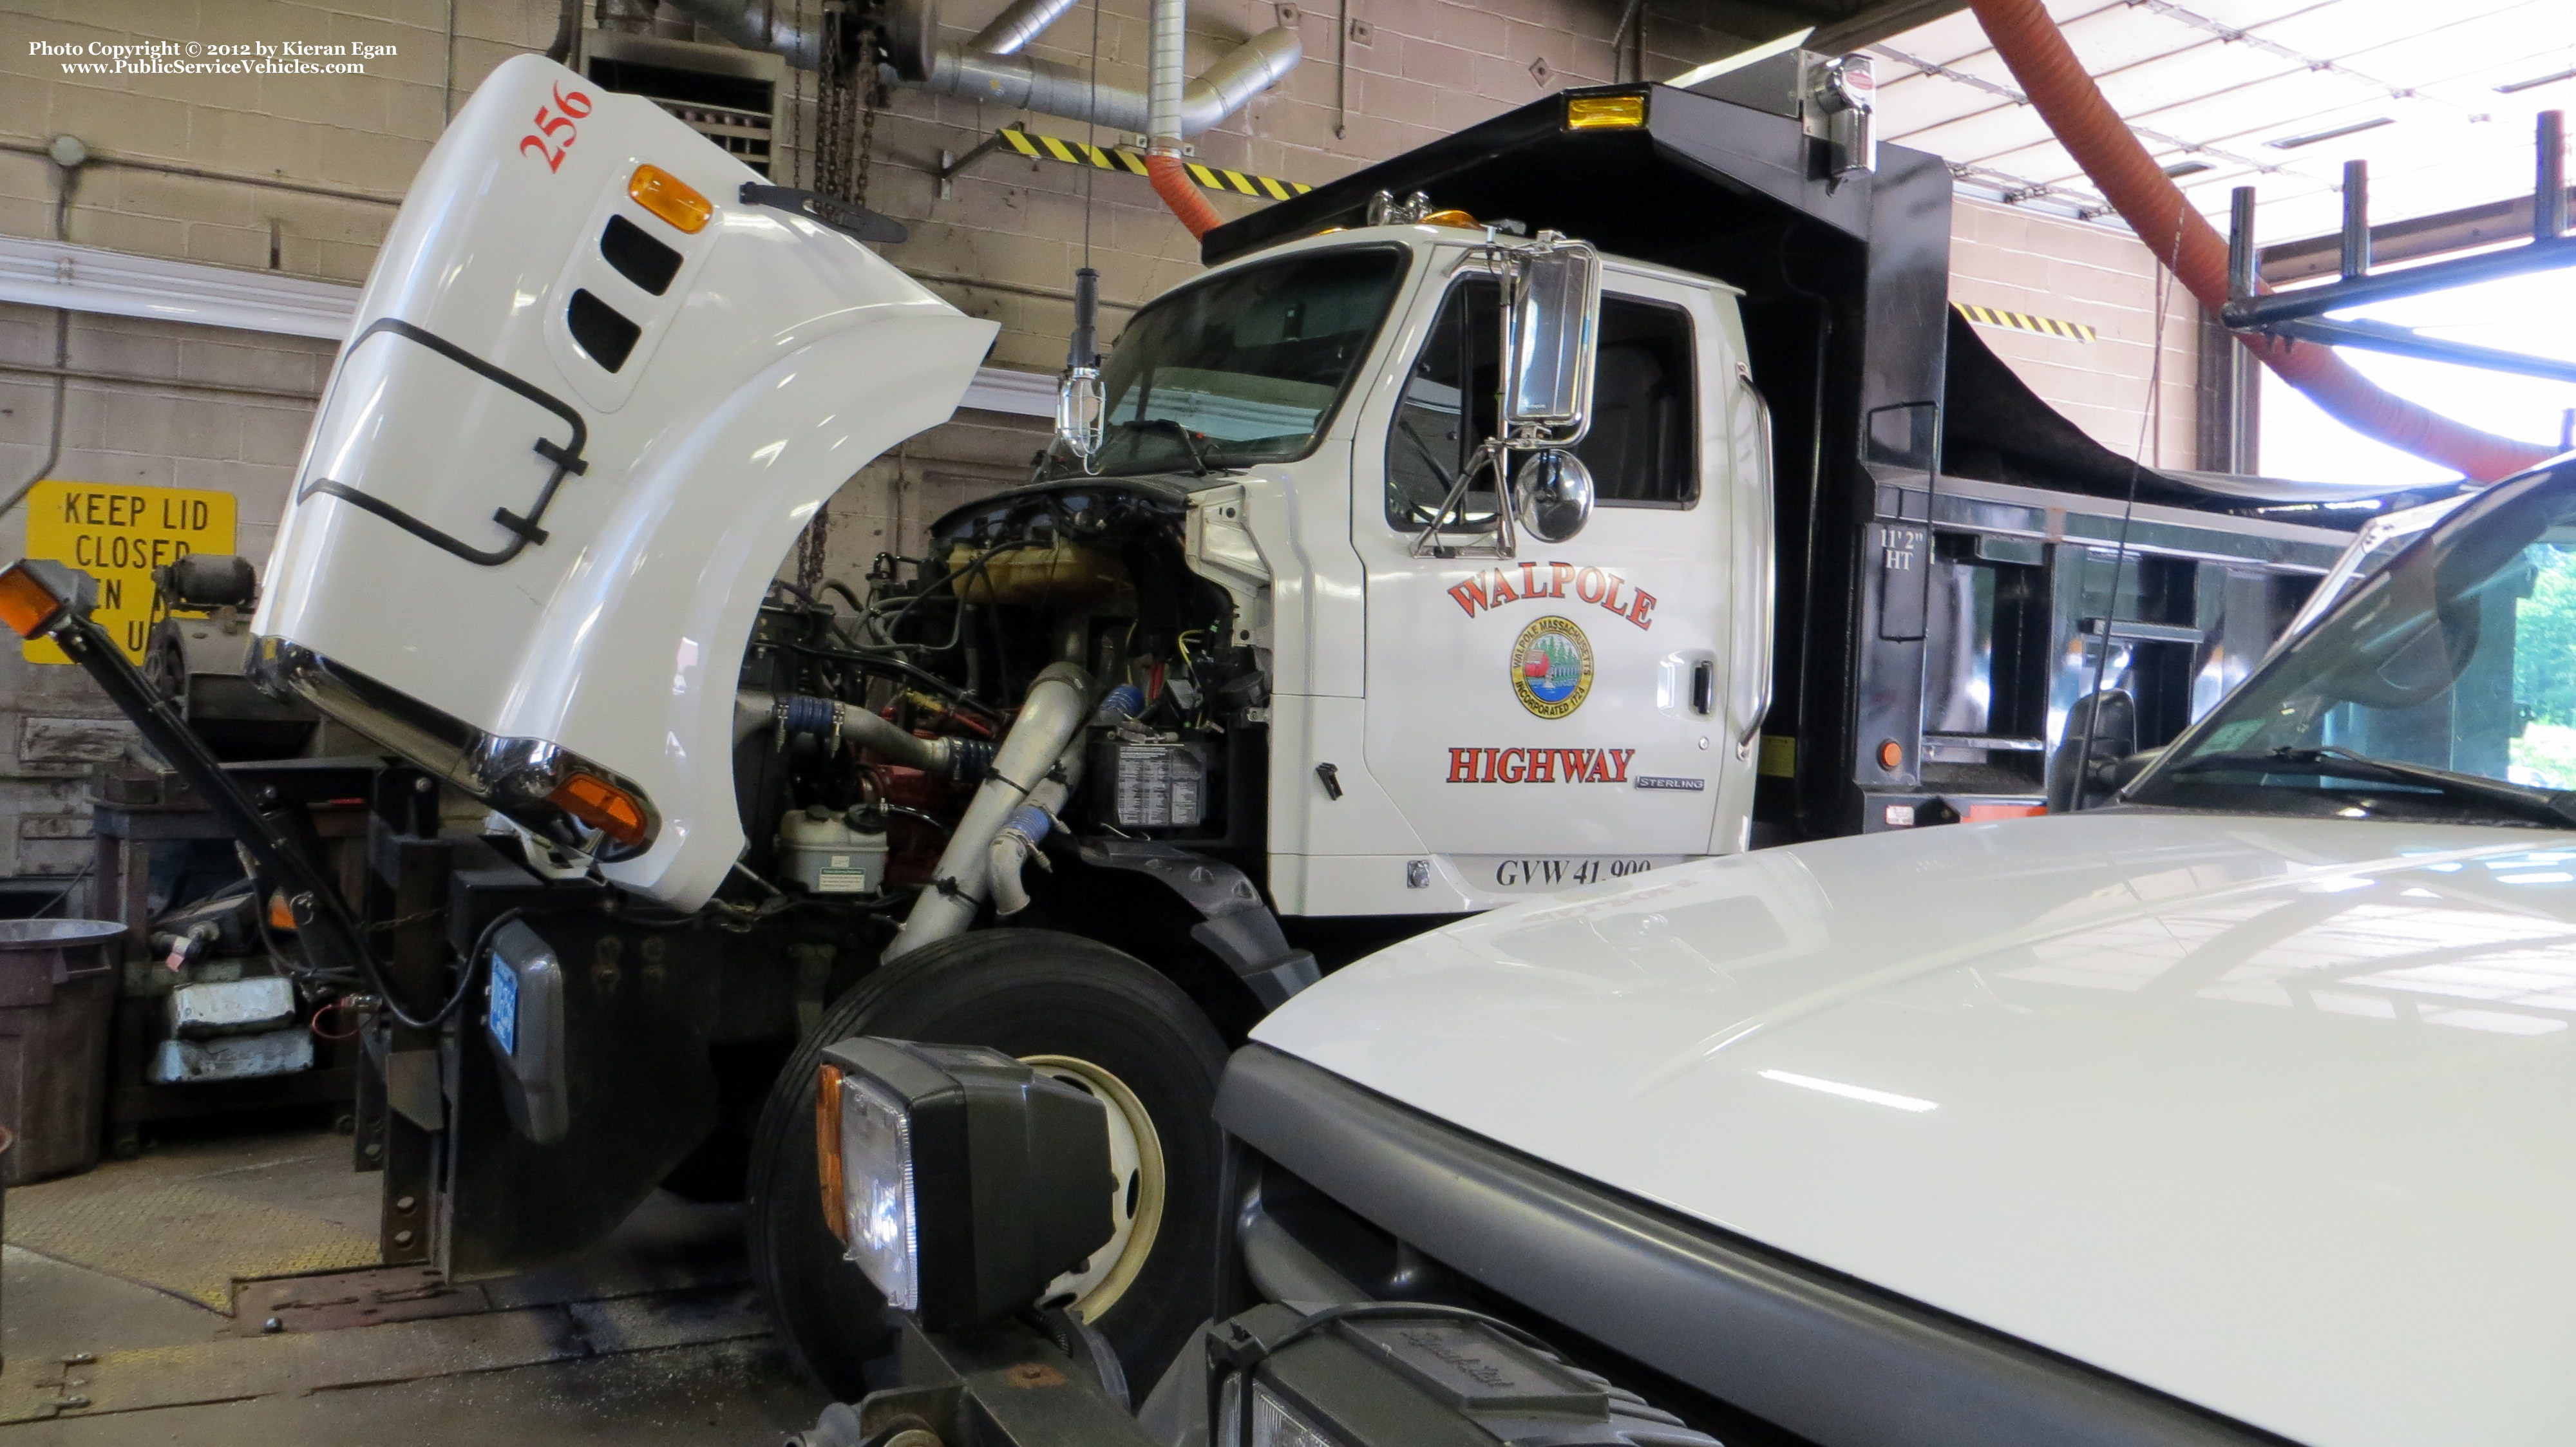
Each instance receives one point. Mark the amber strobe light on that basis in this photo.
(34, 594)
(1605, 112)
(601, 805)
(827, 1148)
(670, 198)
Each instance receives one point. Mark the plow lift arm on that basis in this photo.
(44, 599)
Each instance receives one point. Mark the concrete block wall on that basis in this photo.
(2042, 265)
(217, 409)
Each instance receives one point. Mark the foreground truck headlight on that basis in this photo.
(962, 1180)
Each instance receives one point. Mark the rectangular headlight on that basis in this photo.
(879, 1205)
(968, 1180)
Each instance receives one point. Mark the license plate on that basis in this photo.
(1545, 874)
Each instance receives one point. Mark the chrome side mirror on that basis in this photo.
(1552, 494)
(1550, 332)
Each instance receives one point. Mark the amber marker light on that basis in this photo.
(38, 595)
(1452, 217)
(670, 198)
(603, 806)
(827, 1148)
(26, 604)
(1605, 112)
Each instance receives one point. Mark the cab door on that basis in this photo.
(1553, 718)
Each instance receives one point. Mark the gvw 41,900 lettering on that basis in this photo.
(1565, 873)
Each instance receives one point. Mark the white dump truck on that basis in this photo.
(1605, 487)
(2231, 1114)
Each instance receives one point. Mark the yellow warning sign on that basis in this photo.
(118, 535)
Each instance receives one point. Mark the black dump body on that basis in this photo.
(1873, 380)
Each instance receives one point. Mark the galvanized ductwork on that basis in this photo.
(991, 68)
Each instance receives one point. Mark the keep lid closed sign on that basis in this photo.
(118, 535)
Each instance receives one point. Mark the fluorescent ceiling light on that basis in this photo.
(2292, 143)
(1852, 1092)
(2180, 169)
(1741, 59)
(2535, 83)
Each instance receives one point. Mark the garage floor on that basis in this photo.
(136, 1296)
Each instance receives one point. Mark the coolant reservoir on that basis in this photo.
(828, 853)
(594, 389)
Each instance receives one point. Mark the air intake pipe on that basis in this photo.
(1050, 719)
(2039, 57)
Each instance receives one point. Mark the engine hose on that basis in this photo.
(2056, 82)
(1050, 718)
(1029, 824)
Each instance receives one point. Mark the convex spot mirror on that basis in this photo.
(2101, 737)
(1551, 332)
(1552, 494)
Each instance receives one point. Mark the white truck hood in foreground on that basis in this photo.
(2276, 1116)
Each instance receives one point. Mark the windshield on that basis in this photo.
(1245, 366)
(2443, 687)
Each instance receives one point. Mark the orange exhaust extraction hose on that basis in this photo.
(2057, 83)
(1172, 182)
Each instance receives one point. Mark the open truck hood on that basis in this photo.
(2272, 1115)
(507, 558)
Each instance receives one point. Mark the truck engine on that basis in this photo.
(869, 717)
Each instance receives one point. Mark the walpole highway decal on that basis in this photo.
(1539, 766)
(1552, 667)
(1496, 586)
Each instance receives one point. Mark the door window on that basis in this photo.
(1640, 445)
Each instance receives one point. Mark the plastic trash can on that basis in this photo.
(57, 995)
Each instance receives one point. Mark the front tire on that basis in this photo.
(1076, 1009)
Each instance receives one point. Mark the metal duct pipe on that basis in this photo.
(2037, 53)
(1166, 62)
(990, 67)
(1050, 88)
(1019, 23)
(1049, 718)
(736, 21)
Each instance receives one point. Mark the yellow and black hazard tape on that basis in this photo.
(1987, 316)
(1119, 158)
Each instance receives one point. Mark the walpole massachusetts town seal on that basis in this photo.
(1552, 667)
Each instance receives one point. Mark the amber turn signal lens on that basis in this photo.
(1891, 754)
(1452, 217)
(1605, 112)
(670, 198)
(827, 1148)
(26, 604)
(601, 805)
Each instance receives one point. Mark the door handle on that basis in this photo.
(1704, 687)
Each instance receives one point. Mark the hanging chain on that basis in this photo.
(872, 95)
(848, 94)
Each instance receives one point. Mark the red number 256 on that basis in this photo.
(554, 133)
